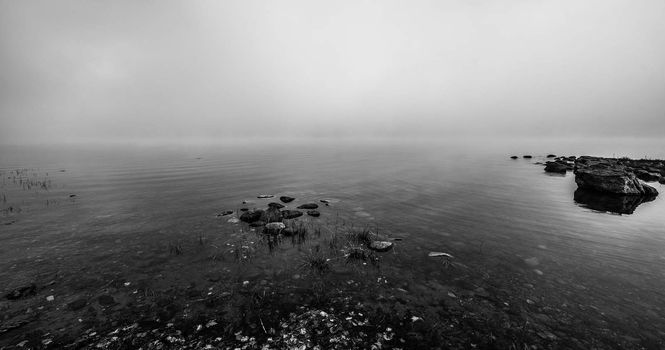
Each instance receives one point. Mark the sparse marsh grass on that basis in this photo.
(175, 248)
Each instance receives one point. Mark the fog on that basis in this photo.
(206, 70)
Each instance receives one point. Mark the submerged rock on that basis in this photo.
(308, 206)
(225, 213)
(251, 216)
(286, 199)
(527, 156)
(291, 214)
(514, 157)
(263, 196)
(22, 292)
(275, 205)
(551, 155)
(314, 213)
(381, 246)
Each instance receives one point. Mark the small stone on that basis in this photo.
(381, 246)
(263, 196)
(286, 199)
(251, 216)
(314, 213)
(225, 213)
(275, 205)
(308, 206)
(532, 261)
(50, 298)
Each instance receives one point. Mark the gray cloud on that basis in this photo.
(74, 70)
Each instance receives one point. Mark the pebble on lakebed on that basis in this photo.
(381, 246)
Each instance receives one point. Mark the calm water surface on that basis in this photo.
(512, 228)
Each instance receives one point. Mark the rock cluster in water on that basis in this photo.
(615, 176)
(609, 184)
(274, 213)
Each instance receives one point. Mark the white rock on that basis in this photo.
(438, 254)
(532, 261)
(381, 246)
(275, 226)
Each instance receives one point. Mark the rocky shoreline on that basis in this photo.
(617, 185)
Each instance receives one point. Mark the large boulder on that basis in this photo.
(605, 175)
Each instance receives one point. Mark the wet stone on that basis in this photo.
(314, 213)
(251, 216)
(308, 206)
(286, 199)
(381, 246)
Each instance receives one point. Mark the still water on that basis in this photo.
(108, 217)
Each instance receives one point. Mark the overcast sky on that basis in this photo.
(108, 70)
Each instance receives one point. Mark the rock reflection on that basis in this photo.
(613, 203)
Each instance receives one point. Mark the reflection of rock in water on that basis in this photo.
(614, 203)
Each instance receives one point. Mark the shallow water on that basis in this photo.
(512, 228)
